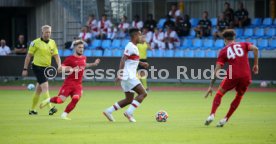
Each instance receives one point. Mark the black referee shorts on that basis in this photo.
(39, 73)
(141, 67)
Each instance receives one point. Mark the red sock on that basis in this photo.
(234, 105)
(216, 101)
(72, 104)
(56, 100)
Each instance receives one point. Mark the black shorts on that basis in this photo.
(39, 73)
(141, 67)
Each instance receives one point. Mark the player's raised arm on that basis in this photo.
(256, 58)
(96, 63)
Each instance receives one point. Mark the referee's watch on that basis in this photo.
(24, 69)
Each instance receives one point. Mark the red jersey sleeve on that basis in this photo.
(222, 59)
(67, 62)
(247, 46)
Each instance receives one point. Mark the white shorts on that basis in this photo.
(129, 84)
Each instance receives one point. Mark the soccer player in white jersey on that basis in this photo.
(129, 81)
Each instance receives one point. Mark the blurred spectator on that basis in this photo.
(4, 49)
(174, 12)
(85, 35)
(229, 14)
(150, 23)
(103, 26)
(112, 32)
(169, 22)
(242, 16)
(183, 26)
(137, 23)
(148, 35)
(92, 25)
(158, 39)
(221, 26)
(204, 26)
(123, 27)
(20, 46)
(171, 38)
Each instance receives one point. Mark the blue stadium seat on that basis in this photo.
(186, 44)
(262, 43)
(158, 53)
(208, 43)
(95, 44)
(253, 41)
(169, 53)
(270, 32)
(214, 22)
(274, 22)
(271, 44)
(248, 32)
(116, 44)
(189, 53)
(194, 21)
(211, 54)
(107, 53)
(259, 33)
(124, 43)
(197, 43)
(87, 53)
(60, 52)
(117, 53)
(97, 53)
(192, 34)
(239, 32)
(179, 53)
(149, 53)
(200, 54)
(267, 22)
(256, 22)
(106, 44)
(219, 44)
(67, 52)
(240, 40)
(161, 22)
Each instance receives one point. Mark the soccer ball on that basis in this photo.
(161, 116)
(31, 87)
(263, 84)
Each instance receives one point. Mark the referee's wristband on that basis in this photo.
(25, 69)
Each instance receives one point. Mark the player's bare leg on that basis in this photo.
(118, 105)
(216, 103)
(142, 94)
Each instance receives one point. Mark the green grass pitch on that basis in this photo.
(254, 122)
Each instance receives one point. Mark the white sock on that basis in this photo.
(135, 104)
(48, 100)
(64, 114)
(113, 108)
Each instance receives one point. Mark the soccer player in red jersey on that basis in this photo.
(236, 55)
(72, 86)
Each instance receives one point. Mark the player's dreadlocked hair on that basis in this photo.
(229, 34)
(133, 31)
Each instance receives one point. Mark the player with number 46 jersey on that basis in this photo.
(238, 74)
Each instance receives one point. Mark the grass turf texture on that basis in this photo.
(253, 123)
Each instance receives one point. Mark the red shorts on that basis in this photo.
(240, 84)
(70, 90)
